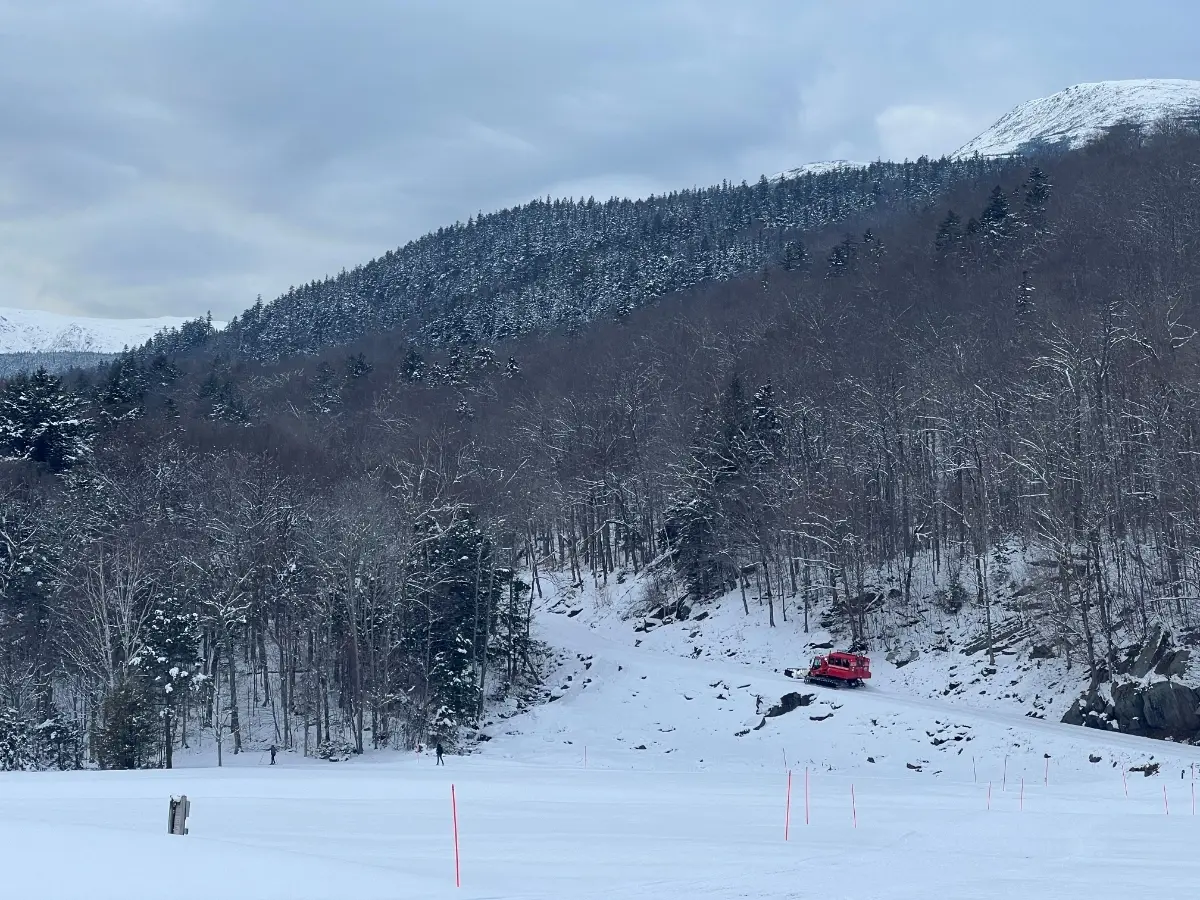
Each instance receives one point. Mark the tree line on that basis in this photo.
(870, 431)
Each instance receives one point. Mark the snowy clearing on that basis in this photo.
(645, 777)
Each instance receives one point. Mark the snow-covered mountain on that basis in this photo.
(820, 168)
(1073, 117)
(37, 331)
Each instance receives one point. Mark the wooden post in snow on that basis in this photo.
(177, 815)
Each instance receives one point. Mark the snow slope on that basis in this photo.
(650, 775)
(31, 330)
(1081, 113)
(820, 168)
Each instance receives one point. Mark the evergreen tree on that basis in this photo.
(128, 733)
(1037, 197)
(457, 583)
(169, 664)
(325, 391)
(843, 258)
(357, 367)
(413, 368)
(996, 222)
(123, 388)
(795, 256)
(949, 235)
(42, 422)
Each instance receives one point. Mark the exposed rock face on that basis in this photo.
(1151, 654)
(1161, 709)
(1170, 708)
(1174, 663)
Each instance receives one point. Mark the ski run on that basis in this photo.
(651, 773)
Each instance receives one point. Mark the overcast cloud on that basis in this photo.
(166, 157)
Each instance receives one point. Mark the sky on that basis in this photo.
(171, 157)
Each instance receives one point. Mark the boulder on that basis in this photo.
(1127, 708)
(1170, 709)
(902, 656)
(1041, 651)
(1173, 663)
(788, 702)
(1075, 715)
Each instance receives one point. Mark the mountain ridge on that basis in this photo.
(39, 331)
(1079, 114)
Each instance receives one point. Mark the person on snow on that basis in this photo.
(438, 750)
(272, 748)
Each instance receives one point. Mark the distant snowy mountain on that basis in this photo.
(1079, 114)
(36, 331)
(820, 168)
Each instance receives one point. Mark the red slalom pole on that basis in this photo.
(806, 795)
(853, 807)
(454, 813)
(787, 814)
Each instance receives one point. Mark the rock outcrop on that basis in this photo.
(1137, 702)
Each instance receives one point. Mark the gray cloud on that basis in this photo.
(173, 156)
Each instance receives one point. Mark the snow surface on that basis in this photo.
(1081, 113)
(38, 331)
(820, 168)
(649, 775)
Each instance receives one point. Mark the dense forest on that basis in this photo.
(560, 264)
(335, 516)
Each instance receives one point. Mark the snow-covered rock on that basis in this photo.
(820, 168)
(1080, 114)
(37, 331)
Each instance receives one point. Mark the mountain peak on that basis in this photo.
(819, 168)
(1079, 114)
(37, 331)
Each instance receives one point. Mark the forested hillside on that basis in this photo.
(560, 264)
(341, 538)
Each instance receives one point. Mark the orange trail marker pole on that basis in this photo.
(787, 814)
(806, 795)
(454, 814)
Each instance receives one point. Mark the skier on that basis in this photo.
(273, 754)
(438, 750)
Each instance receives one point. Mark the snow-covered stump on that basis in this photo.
(177, 815)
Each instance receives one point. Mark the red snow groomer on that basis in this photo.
(839, 669)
